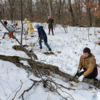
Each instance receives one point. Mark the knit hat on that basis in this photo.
(25, 19)
(16, 22)
(49, 17)
(36, 25)
(5, 22)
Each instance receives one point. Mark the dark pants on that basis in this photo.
(52, 31)
(40, 43)
(90, 76)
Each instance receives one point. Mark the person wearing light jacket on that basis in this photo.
(88, 64)
(10, 28)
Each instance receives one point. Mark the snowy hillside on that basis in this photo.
(67, 48)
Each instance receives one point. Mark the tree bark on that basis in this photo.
(71, 13)
(30, 8)
(11, 4)
(59, 10)
(99, 2)
(89, 14)
(50, 7)
(30, 54)
(21, 21)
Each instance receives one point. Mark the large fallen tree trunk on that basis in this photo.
(36, 67)
(30, 54)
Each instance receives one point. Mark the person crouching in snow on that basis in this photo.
(50, 24)
(42, 36)
(10, 28)
(88, 63)
(15, 25)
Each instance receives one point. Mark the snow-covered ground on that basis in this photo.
(67, 48)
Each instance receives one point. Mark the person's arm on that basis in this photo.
(92, 65)
(42, 33)
(38, 34)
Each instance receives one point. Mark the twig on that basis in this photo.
(3, 89)
(18, 90)
(55, 87)
(28, 88)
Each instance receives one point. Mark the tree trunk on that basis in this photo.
(11, 4)
(80, 13)
(50, 7)
(21, 20)
(62, 12)
(71, 13)
(59, 10)
(99, 2)
(89, 14)
(30, 8)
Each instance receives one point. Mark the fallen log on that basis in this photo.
(30, 54)
(41, 67)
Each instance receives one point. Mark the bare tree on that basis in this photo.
(11, 4)
(59, 10)
(99, 2)
(30, 8)
(50, 7)
(89, 13)
(21, 20)
(71, 13)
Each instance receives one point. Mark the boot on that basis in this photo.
(40, 47)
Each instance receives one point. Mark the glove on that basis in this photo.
(81, 78)
(77, 72)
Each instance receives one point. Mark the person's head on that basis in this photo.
(37, 25)
(49, 17)
(25, 19)
(16, 23)
(86, 52)
(5, 22)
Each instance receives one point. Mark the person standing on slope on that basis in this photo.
(50, 25)
(42, 36)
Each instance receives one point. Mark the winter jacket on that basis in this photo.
(50, 23)
(30, 29)
(10, 28)
(41, 33)
(89, 65)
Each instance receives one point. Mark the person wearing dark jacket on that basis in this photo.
(42, 36)
(88, 63)
(50, 25)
